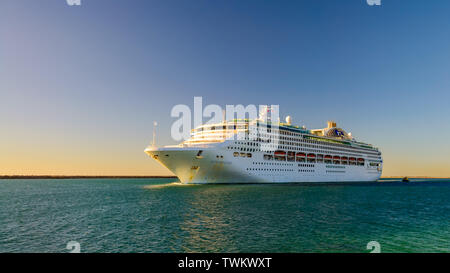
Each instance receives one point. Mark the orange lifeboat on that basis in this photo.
(311, 156)
(280, 153)
(301, 155)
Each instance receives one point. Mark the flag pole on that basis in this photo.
(154, 133)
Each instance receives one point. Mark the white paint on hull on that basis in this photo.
(218, 165)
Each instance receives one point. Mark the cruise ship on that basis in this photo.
(254, 151)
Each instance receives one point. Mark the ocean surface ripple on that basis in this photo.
(163, 215)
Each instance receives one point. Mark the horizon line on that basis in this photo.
(82, 176)
(153, 176)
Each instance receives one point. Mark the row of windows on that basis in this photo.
(306, 171)
(318, 149)
(295, 142)
(272, 170)
(336, 167)
(298, 137)
(270, 163)
(242, 149)
(236, 154)
(221, 127)
(310, 160)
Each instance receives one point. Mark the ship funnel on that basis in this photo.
(331, 124)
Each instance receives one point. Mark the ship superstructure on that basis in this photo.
(252, 151)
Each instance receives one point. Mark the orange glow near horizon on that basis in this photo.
(82, 158)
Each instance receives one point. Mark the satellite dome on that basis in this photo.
(289, 120)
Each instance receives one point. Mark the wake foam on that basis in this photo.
(166, 185)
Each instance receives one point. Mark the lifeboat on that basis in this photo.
(344, 158)
(291, 156)
(280, 155)
(352, 159)
(301, 155)
(328, 157)
(311, 156)
(360, 159)
(336, 157)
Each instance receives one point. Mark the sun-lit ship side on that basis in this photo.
(229, 152)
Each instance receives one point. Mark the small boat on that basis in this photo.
(405, 179)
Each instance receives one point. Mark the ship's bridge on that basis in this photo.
(219, 132)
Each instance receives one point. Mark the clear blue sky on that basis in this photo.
(81, 86)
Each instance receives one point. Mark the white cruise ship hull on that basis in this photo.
(218, 165)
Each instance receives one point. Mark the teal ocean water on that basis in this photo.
(159, 215)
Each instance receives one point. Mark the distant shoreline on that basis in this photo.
(150, 176)
(419, 177)
(79, 176)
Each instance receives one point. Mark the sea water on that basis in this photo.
(162, 215)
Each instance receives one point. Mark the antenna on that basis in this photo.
(264, 111)
(154, 133)
(223, 117)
